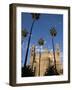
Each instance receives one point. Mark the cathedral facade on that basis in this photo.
(41, 61)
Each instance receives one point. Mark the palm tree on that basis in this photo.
(41, 43)
(35, 17)
(24, 34)
(53, 34)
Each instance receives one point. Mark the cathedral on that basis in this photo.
(41, 62)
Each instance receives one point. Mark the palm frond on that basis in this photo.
(35, 16)
(53, 31)
(24, 33)
(41, 41)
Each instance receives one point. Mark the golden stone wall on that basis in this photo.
(45, 61)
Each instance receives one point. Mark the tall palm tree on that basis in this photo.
(53, 33)
(35, 16)
(41, 43)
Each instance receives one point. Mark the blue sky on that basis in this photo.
(41, 29)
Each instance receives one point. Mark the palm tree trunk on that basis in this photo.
(28, 44)
(49, 63)
(54, 53)
(33, 59)
(39, 61)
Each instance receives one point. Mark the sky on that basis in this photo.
(41, 29)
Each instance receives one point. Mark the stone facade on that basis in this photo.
(46, 60)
